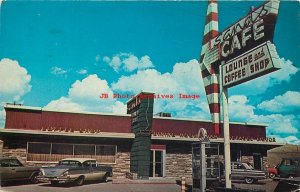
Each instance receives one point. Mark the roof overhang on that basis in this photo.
(129, 136)
(68, 134)
(218, 140)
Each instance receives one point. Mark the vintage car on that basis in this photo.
(243, 171)
(75, 170)
(12, 169)
(289, 167)
(272, 172)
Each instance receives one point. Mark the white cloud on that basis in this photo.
(97, 58)
(84, 96)
(114, 62)
(15, 80)
(119, 108)
(82, 71)
(290, 139)
(58, 71)
(64, 103)
(150, 80)
(278, 123)
(261, 84)
(132, 63)
(89, 88)
(129, 62)
(14, 83)
(185, 78)
(241, 110)
(289, 101)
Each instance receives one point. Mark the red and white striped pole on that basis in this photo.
(211, 76)
(212, 79)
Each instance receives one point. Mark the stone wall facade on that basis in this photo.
(178, 165)
(120, 168)
(19, 152)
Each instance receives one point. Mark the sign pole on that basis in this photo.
(226, 135)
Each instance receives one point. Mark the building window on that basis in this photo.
(54, 152)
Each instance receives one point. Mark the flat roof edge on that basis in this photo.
(11, 106)
(131, 136)
(38, 132)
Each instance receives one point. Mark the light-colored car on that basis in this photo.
(75, 170)
(12, 169)
(243, 171)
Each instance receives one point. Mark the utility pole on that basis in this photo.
(224, 104)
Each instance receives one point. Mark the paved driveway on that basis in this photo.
(267, 185)
(94, 187)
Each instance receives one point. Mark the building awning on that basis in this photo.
(68, 134)
(128, 136)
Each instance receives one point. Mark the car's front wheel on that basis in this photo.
(272, 175)
(33, 178)
(79, 181)
(249, 180)
(105, 178)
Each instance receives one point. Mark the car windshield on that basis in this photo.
(69, 163)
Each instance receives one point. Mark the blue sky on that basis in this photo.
(63, 55)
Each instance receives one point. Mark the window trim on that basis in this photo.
(73, 144)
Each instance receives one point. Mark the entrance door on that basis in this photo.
(257, 161)
(156, 163)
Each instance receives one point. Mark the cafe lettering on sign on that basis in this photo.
(252, 30)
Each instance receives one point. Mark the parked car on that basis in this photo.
(75, 170)
(12, 169)
(272, 172)
(243, 171)
(289, 167)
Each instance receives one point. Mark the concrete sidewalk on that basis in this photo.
(150, 181)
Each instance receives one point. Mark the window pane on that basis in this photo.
(105, 153)
(158, 156)
(62, 149)
(38, 152)
(105, 150)
(39, 148)
(84, 150)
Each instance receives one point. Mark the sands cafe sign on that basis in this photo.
(246, 46)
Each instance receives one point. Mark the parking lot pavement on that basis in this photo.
(93, 187)
(268, 185)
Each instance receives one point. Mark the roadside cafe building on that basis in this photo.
(44, 137)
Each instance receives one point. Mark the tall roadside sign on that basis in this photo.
(141, 109)
(242, 52)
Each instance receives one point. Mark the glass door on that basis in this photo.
(156, 163)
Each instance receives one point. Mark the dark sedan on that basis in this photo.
(12, 169)
(243, 171)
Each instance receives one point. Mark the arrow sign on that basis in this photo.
(211, 56)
